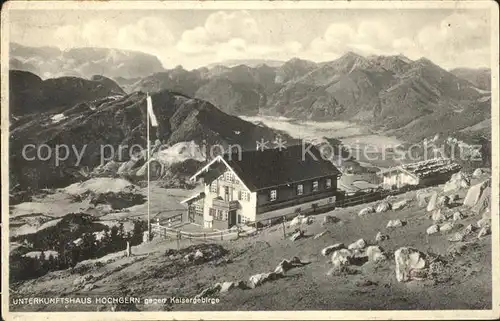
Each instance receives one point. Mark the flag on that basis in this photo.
(151, 113)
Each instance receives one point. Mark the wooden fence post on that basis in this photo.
(221, 236)
(284, 231)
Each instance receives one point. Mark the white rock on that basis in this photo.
(408, 260)
(358, 245)
(457, 181)
(437, 216)
(443, 201)
(341, 257)
(483, 232)
(297, 220)
(295, 236)
(431, 206)
(375, 253)
(457, 237)
(433, 229)
(468, 229)
(198, 254)
(400, 205)
(381, 237)
(474, 193)
(307, 220)
(394, 223)
(446, 227)
(332, 248)
(458, 216)
(484, 222)
(477, 173)
(383, 207)
(366, 211)
(226, 286)
(317, 236)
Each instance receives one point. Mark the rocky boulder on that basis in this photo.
(409, 262)
(432, 204)
(332, 248)
(438, 216)
(433, 229)
(457, 181)
(400, 205)
(286, 265)
(484, 222)
(297, 235)
(375, 253)
(443, 201)
(383, 207)
(446, 227)
(341, 257)
(478, 172)
(319, 235)
(474, 193)
(358, 245)
(394, 223)
(457, 216)
(226, 286)
(381, 237)
(484, 231)
(366, 211)
(330, 219)
(259, 279)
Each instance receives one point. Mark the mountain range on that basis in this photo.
(105, 104)
(388, 93)
(51, 62)
(117, 120)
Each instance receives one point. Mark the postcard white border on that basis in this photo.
(251, 5)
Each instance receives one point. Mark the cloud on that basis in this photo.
(146, 34)
(232, 35)
(452, 40)
(220, 28)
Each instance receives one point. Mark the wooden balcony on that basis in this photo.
(220, 204)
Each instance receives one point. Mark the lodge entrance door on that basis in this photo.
(231, 218)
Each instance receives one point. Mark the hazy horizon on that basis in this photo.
(196, 38)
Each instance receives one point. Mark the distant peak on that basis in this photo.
(351, 54)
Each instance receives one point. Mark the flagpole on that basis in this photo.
(147, 160)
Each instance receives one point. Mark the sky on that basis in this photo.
(194, 38)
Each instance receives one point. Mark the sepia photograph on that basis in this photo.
(217, 160)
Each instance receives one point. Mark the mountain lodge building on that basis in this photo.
(259, 185)
(424, 173)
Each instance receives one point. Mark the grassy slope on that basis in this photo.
(150, 273)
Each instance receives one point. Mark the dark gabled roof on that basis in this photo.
(271, 167)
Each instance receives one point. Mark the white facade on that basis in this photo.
(399, 178)
(229, 187)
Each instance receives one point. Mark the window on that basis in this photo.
(224, 215)
(330, 200)
(213, 187)
(315, 186)
(228, 176)
(244, 219)
(244, 196)
(211, 212)
(300, 189)
(328, 183)
(273, 195)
